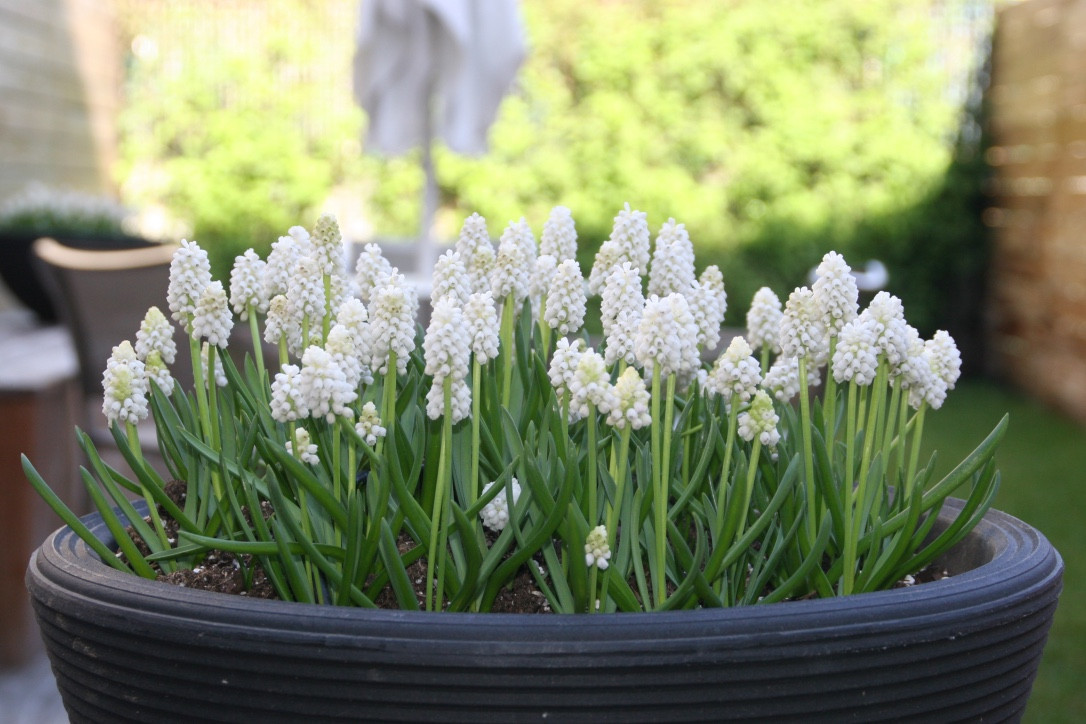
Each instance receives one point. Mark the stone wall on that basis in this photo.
(1038, 152)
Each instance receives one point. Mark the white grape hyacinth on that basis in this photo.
(495, 514)
(564, 363)
(281, 324)
(540, 283)
(287, 398)
(477, 252)
(481, 317)
(327, 246)
(125, 386)
(566, 299)
(836, 292)
(596, 550)
(247, 285)
(709, 303)
(802, 330)
(608, 258)
(759, 421)
(343, 346)
(303, 447)
(559, 238)
(590, 384)
(211, 320)
(512, 269)
(279, 268)
(630, 233)
(886, 314)
(392, 324)
(764, 321)
(782, 378)
(205, 367)
(856, 358)
(621, 307)
(324, 386)
(450, 279)
(369, 268)
(736, 373)
(190, 272)
(369, 426)
(631, 402)
(156, 335)
(667, 337)
(447, 351)
(672, 268)
(307, 298)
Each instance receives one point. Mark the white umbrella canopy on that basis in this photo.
(427, 69)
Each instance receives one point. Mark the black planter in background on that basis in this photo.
(17, 268)
(964, 648)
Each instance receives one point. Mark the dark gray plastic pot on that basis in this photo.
(967, 647)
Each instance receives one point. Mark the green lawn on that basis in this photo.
(1043, 462)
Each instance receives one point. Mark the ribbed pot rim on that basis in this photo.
(1020, 563)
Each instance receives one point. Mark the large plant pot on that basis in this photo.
(17, 268)
(966, 647)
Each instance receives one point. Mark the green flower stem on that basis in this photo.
(133, 436)
(914, 455)
(813, 503)
(213, 416)
(765, 359)
(619, 475)
(507, 351)
(544, 329)
(388, 397)
(829, 400)
(726, 469)
(326, 322)
(660, 504)
(593, 594)
(588, 502)
(199, 388)
(337, 475)
(748, 488)
(258, 353)
(476, 421)
(444, 481)
(659, 520)
(849, 544)
(874, 412)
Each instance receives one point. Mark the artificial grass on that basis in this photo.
(1043, 465)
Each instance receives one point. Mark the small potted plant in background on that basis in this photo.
(75, 218)
(712, 540)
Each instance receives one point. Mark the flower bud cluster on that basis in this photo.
(450, 279)
(190, 273)
(759, 421)
(708, 303)
(856, 357)
(672, 267)
(590, 384)
(125, 386)
(447, 350)
(495, 514)
(559, 238)
(621, 308)
(564, 364)
(368, 425)
(392, 323)
(596, 550)
(631, 402)
(306, 448)
(512, 267)
(802, 330)
(325, 389)
(370, 267)
(667, 336)
(247, 285)
(836, 292)
(764, 321)
(481, 318)
(736, 373)
(211, 320)
(476, 251)
(566, 299)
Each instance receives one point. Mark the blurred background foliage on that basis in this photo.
(774, 131)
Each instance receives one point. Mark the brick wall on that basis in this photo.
(1038, 125)
(60, 81)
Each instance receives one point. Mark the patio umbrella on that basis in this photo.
(427, 69)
